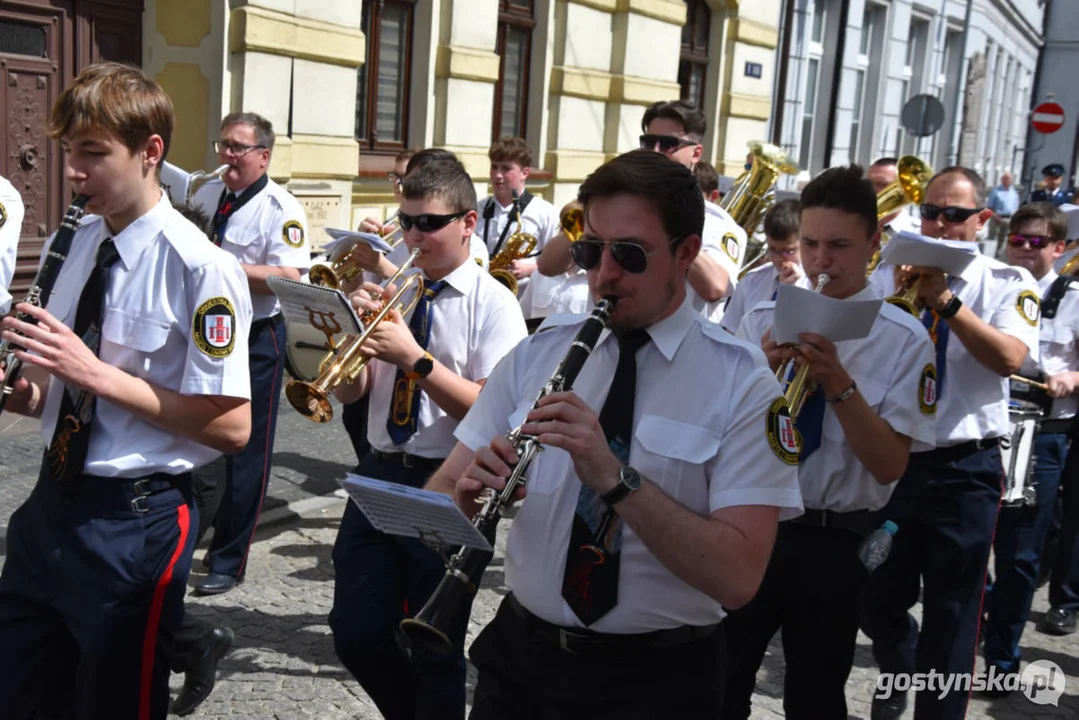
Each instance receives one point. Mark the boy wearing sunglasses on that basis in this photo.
(1036, 237)
(873, 398)
(685, 464)
(425, 373)
(984, 323)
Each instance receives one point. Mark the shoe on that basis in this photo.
(890, 708)
(199, 680)
(217, 583)
(1058, 621)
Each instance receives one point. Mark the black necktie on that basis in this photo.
(405, 403)
(590, 582)
(228, 204)
(67, 452)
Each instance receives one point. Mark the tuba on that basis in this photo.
(200, 178)
(344, 362)
(572, 220)
(518, 245)
(797, 389)
(908, 189)
(752, 193)
(448, 606)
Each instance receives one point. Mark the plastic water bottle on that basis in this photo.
(875, 548)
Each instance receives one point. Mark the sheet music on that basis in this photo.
(347, 238)
(799, 310)
(951, 256)
(325, 309)
(411, 512)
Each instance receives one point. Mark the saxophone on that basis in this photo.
(518, 245)
(453, 596)
(39, 292)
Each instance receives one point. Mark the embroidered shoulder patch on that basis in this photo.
(783, 437)
(731, 246)
(927, 390)
(214, 327)
(292, 233)
(1029, 306)
(3, 215)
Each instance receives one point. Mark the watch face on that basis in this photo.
(631, 478)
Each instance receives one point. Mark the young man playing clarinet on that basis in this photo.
(871, 398)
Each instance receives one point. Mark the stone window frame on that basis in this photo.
(519, 16)
(366, 132)
(693, 54)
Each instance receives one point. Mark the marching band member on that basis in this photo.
(265, 228)
(882, 173)
(872, 397)
(139, 375)
(425, 375)
(761, 284)
(689, 483)
(11, 215)
(946, 503)
(1036, 238)
(708, 179)
(1050, 190)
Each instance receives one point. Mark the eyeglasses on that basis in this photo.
(782, 252)
(630, 256)
(394, 178)
(427, 222)
(1036, 242)
(665, 143)
(951, 213)
(238, 149)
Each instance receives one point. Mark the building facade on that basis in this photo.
(852, 65)
(1059, 59)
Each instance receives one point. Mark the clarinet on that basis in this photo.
(448, 607)
(40, 291)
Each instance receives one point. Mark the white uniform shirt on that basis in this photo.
(894, 368)
(539, 219)
(724, 241)
(475, 321)
(561, 294)
(974, 399)
(168, 287)
(759, 285)
(11, 215)
(1058, 343)
(700, 435)
(269, 229)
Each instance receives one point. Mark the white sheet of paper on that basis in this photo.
(799, 310)
(315, 305)
(951, 256)
(411, 512)
(348, 238)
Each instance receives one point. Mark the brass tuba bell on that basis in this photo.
(753, 192)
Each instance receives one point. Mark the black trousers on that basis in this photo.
(524, 677)
(811, 592)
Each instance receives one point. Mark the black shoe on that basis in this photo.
(200, 678)
(890, 708)
(217, 583)
(1058, 621)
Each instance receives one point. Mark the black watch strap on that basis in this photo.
(950, 310)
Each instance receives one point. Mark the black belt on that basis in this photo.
(953, 453)
(581, 641)
(856, 521)
(408, 460)
(133, 491)
(1058, 426)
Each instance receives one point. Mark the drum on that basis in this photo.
(1017, 452)
(305, 351)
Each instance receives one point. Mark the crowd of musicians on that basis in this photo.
(688, 502)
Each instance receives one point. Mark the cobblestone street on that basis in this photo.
(283, 665)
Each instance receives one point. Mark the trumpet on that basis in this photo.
(797, 389)
(200, 178)
(344, 362)
(449, 605)
(913, 176)
(906, 296)
(518, 245)
(572, 220)
(392, 232)
(349, 263)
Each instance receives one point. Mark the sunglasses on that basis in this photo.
(427, 222)
(951, 213)
(1036, 242)
(665, 143)
(222, 147)
(631, 257)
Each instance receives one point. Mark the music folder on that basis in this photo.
(325, 309)
(950, 256)
(343, 239)
(799, 311)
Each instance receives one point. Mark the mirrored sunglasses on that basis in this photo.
(1037, 242)
(631, 257)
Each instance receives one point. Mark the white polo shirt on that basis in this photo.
(539, 219)
(269, 229)
(894, 369)
(11, 216)
(759, 285)
(168, 287)
(724, 241)
(475, 321)
(702, 436)
(1058, 344)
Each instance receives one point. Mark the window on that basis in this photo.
(693, 61)
(383, 88)
(514, 47)
(809, 107)
(818, 22)
(856, 115)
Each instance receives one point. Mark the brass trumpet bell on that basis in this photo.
(338, 271)
(906, 297)
(572, 221)
(913, 176)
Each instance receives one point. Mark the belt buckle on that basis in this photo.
(564, 638)
(141, 487)
(408, 460)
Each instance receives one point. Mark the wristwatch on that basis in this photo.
(629, 481)
(421, 368)
(949, 310)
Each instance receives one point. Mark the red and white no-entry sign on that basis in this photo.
(1047, 118)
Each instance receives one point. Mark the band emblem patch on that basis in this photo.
(731, 246)
(1029, 306)
(783, 437)
(292, 233)
(927, 390)
(3, 215)
(214, 327)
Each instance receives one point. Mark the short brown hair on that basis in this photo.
(1053, 216)
(707, 177)
(844, 188)
(117, 99)
(443, 179)
(264, 134)
(511, 149)
(976, 181)
(405, 155)
(693, 123)
(783, 219)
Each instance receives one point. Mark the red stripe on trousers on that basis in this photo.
(149, 640)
